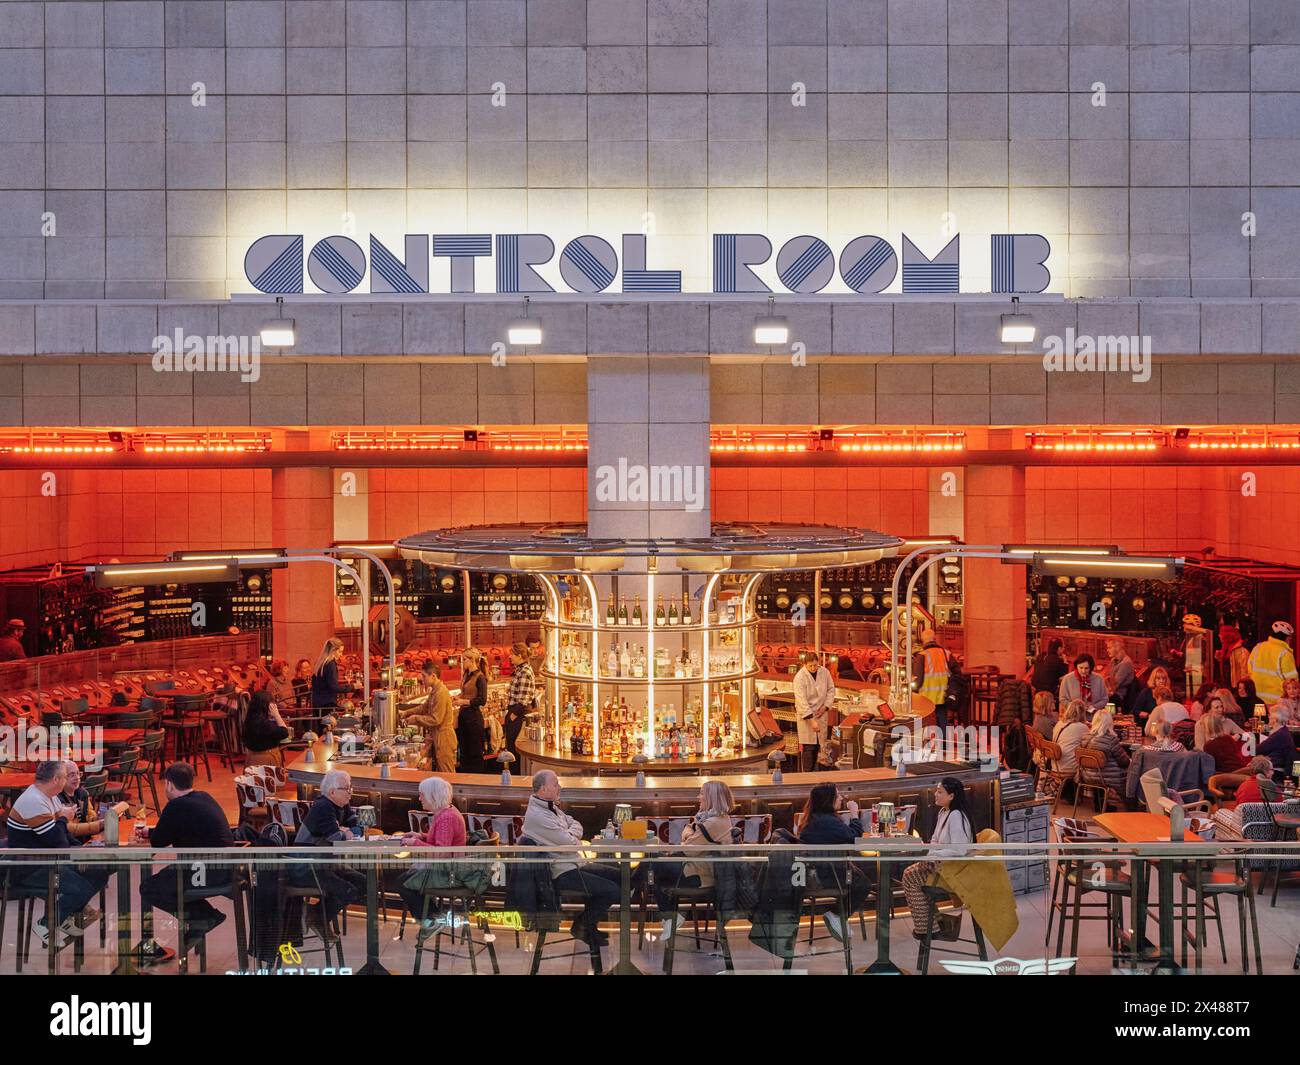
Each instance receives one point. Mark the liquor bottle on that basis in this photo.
(638, 664)
(686, 609)
(624, 662)
(660, 617)
(611, 662)
(636, 612)
(726, 722)
(622, 610)
(609, 612)
(672, 612)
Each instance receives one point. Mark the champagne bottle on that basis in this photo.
(660, 617)
(686, 609)
(622, 610)
(636, 612)
(672, 612)
(609, 611)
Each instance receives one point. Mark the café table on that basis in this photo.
(880, 848)
(1149, 828)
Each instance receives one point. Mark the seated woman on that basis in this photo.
(1102, 738)
(1201, 700)
(280, 685)
(264, 731)
(1045, 714)
(710, 827)
(1215, 707)
(1068, 734)
(330, 819)
(1290, 701)
(1247, 698)
(1280, 744)
(1222, 746)
(1160, 737)
(1231, 710)
(820, 822)
(1146, 699)
(1258, 768)
(302, 683)
(953, 833)
(446, 829)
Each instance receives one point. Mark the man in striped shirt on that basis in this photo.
(521, 697)
(38, 820)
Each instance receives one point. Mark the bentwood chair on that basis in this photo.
(1090, 779)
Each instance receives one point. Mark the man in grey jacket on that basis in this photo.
(549, 826)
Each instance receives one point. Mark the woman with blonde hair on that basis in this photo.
(1045, 714)
(325, 685)
(1102, 738)
(1068, 734)
(471, 732)
(709, 827)
(1146, 699)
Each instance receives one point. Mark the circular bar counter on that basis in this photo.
(535, 756)
(591, 799)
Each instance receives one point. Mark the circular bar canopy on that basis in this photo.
(733, 547)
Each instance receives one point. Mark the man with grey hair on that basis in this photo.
(330, 819)
(38, 820)
(549, 826)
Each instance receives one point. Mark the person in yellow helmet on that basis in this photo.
(1272, 663)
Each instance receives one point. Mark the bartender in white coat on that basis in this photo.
(814, 695)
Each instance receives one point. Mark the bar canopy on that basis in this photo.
(733, 547)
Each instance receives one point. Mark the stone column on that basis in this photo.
(647, 423)
(994, 597)
(302, 594)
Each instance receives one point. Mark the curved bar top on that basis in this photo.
(535, 756)
(404, 782)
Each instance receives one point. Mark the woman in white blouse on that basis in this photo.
(953, 833)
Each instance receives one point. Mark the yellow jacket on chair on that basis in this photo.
(984, 888)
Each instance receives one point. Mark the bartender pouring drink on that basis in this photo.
(814, 695)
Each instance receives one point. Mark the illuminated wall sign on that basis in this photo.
(868, 264)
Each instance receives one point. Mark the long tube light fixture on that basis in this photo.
(1150, 568)
(129, 575)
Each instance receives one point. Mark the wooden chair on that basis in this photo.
(984, 681)
(1090, 779)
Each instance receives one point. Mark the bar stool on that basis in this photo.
(1231, 881)
(26, 895)
(225, 727)
(186, 730)
(824, 898)
(1084, 878)
(937, 895)
(695, 898)
(237, 891)
(469, 902)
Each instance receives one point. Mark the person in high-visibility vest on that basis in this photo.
(934, 670)
(1272, 663)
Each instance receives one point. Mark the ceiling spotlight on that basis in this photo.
(524, 331)
(771, 329)
(1017, 328)
(279, 331)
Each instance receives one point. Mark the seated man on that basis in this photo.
(39, 820)
(81, 825)
(189, 819)
(331, 819)
(548, 825)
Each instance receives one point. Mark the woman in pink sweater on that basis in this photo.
(447, 825)
(446, 830)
